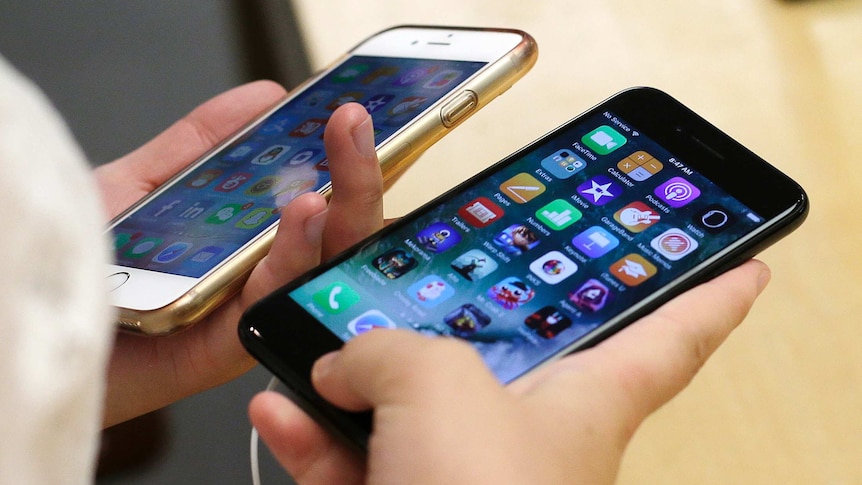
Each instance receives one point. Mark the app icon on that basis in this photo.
(142, 247)
(474, 265)
(633, 269)
(558, 214)
(274, 126)
(121, 239)
(172, 252)
(595, 242)
(640, 166)
(516, 239)
(395, 263)
(166, 207)
(335, 298)
(233, 182)
(224, 214)
(714, 218)
(369, 321)
(438, 237)
(480, 212)
(430, 291)
(591, 296)
(414, 75)
(271, 155)
(548, 322)
(317, 98)
(196, 209)
(673, 244)
(349, 73)
(308, 127)
(563, 164)
(637, 216)
(677, 192)
(603, 140)
(511, 293)
(599, 190)
(522, 188)
(404, 108)
(322, 166)
(255, 218)
(466, 320)
(239, 152)
(263, 186)
(203, 179)
(379, 75)
(344, 98)
(206, 254)
(443, 78)
(553, 267)
(376, 102)
(303, 156)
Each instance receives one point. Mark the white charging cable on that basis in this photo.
(253, 448)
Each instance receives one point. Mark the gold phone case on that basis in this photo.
(395, 156)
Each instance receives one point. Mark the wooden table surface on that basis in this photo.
(781, 402)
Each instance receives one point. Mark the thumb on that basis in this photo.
(394, 367)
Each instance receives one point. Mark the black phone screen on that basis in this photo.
(534, 256)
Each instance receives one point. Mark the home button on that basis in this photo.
(117, 280)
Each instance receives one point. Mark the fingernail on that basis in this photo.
(323, 366)
(314, 228)
(363, 138)
(763, 279)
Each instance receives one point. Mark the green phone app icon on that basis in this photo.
(335, 298)
(559, 214)
(604, 140)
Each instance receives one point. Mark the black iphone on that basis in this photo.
(549, 251)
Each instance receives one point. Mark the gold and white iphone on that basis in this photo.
(187, 247)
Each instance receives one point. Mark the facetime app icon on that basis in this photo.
(604, 140)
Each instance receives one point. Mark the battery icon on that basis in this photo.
(754, 217)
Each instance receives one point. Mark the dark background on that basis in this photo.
(120, 73)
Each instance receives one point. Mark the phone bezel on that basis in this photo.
(289, 348)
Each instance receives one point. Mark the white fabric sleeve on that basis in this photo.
(55, 324)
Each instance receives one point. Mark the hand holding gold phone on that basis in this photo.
(190, 245)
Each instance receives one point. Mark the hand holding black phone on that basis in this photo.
(549, 251)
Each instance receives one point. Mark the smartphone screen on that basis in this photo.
(238, 192)
(537, 255)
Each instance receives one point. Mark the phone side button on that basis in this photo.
(456, 109)
(117, 280)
